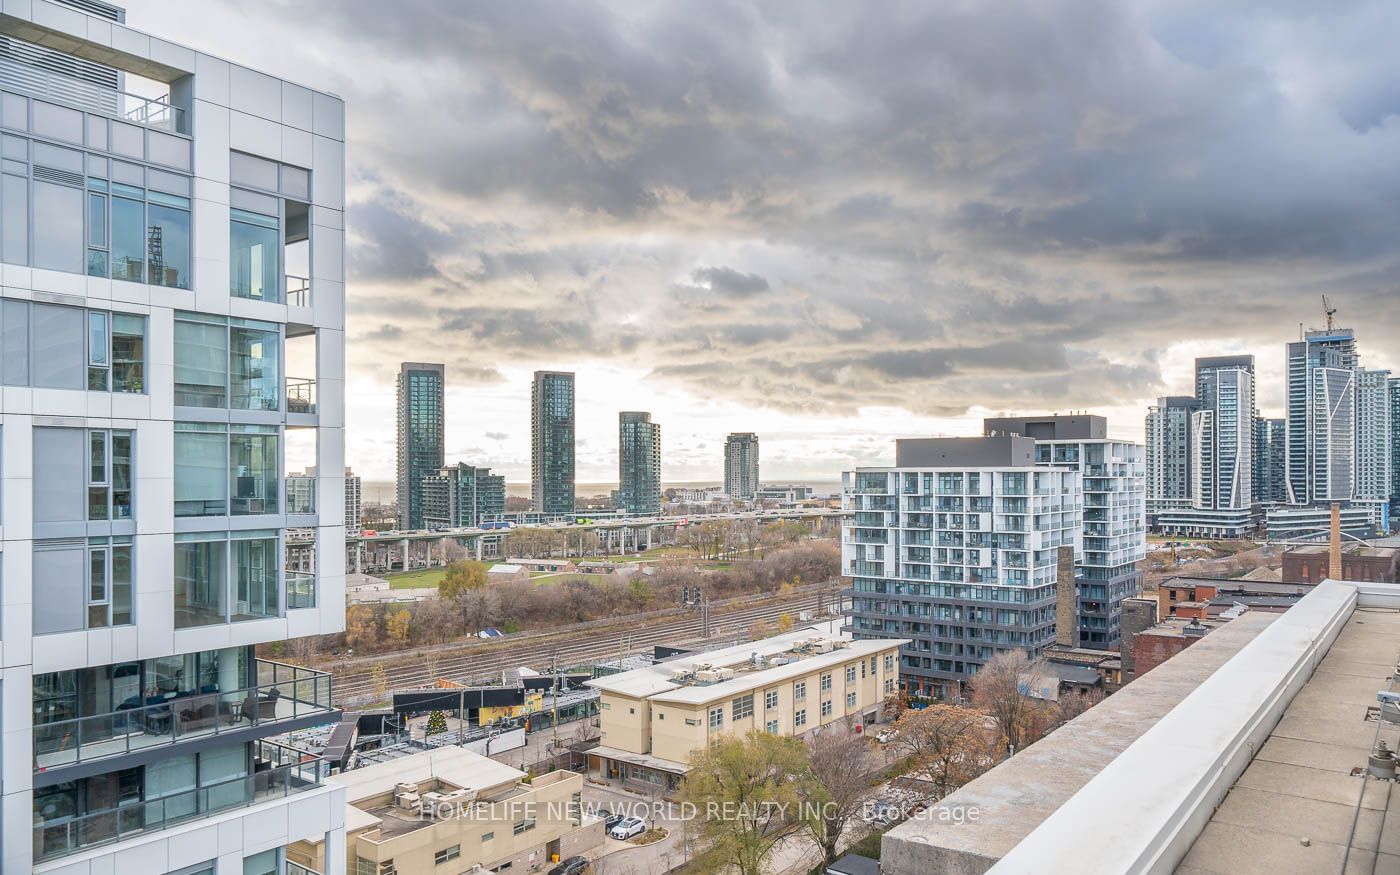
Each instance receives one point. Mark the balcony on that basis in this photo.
(278, 772)
(17, 75)
(301, 589)
(301, 395)
(298, 291)
(284, 693)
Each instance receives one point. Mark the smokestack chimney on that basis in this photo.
(1066, 600)
(1334, 544)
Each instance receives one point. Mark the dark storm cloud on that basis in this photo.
(827, 206)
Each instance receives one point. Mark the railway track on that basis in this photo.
(487, 661)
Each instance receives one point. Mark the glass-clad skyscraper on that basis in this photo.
(552, 442)
(638, 462)
(420, 436)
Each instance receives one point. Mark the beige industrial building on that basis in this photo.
(451, 810)
(655, 717)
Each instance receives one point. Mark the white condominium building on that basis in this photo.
(163, 261)
(955, 549)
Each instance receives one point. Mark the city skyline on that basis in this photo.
(762, 296)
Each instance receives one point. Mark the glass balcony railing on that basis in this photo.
(278, 771)
(301, 395)
(298, 291)
(301, 589)
(283, 692)
(301, 494)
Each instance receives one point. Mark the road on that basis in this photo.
(354, 682)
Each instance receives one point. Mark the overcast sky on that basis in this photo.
(836, 223)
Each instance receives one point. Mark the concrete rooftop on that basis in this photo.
(1299, 786)
(1016, 796)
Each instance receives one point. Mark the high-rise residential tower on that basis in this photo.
(1220, 451)
(1321, 408)
(1374, 441)
(954, 548)
(1270, 440)
(1115, 513)
(1169, 453)
(352, 501)
(741, 465)
(1394, 384)
(155, 279)
(638, 462)
(552, 442)
(421, 415)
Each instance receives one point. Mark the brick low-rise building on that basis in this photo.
(1360, 562)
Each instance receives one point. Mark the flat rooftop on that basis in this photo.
(454, 765)
(661, 680)
(1300, 785)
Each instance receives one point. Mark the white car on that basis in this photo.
(630, 826)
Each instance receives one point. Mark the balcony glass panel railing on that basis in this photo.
(301, 395)
(278, 771)
(283, 692)
(151, 112)
(301, 589)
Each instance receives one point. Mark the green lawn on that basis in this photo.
(422, 579)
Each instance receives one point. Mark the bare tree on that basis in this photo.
(948, 745)
(998, 688)
(839, 763)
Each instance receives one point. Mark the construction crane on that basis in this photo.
(1330, 311)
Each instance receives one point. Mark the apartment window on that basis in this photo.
(266, 863)
(743, 707)
(81, 475)
(137, 224)
(222, 469)
(889, 662)
(826, 682)
(226, 577)
(691, 721)
(447, 854)
(826, 708)
(850, 674)
(227, 363)
(799, 718)
(523, 826)
(487, 836)
(82, 583)
(54, 347)
(771, 727)
(717, 717)
(850, 701)
(365, 867)
(889, 686)
(770, 700)
(799, 691)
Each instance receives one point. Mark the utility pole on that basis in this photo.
(554, 665)
(705, 616)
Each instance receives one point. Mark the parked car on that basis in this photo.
(629, 827)
(572, 866)
(610, 820)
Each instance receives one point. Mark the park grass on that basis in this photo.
(424, 578)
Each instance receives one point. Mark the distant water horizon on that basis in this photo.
(382, 491)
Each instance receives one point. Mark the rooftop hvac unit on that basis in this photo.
(681, 675)
(822, 645)
(406, 787)
(406, 801)
(778, 660)
(431, 801)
